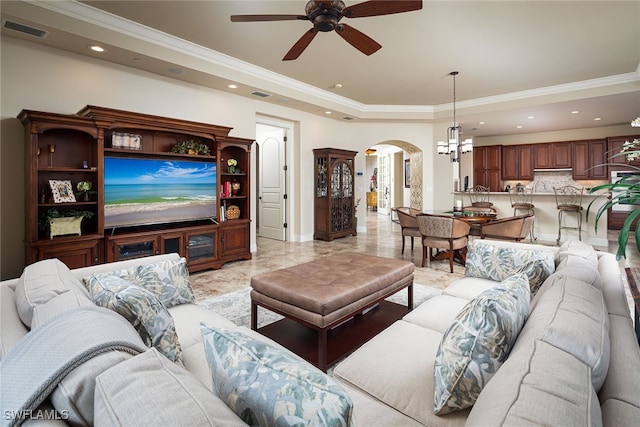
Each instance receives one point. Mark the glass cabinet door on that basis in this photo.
(201, 246)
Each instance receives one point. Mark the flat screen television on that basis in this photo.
(139, 191)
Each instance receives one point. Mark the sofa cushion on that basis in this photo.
(168, 280)
(496, 262)
(266, 385)
(469, 287)
(580, 268)
(436, 313)
(612, 285)
(187, 318)
(572, 316)
(11, 327)
(141, 308)
(576, 248)
(478, 342)
(148, 390)
(379, 369)
(531, 389)
(625, 361)
(41, 282)
(58, 305)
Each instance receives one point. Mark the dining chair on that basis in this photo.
(408, 223)
(513, 228)
(479, 196)
(569, 201)
(442, 232)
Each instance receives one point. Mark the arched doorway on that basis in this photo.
(396, 167)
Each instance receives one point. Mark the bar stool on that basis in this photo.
(479, 196)
(568, 201)
(522, 200)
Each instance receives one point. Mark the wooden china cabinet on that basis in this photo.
(334, 193)
(73, 148)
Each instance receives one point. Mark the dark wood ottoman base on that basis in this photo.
(327, 292)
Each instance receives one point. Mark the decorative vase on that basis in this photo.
(235, 187)
(86, 196)
(232, 169)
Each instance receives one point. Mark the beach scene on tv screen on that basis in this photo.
(150, 191)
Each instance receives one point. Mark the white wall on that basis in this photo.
(35, 77)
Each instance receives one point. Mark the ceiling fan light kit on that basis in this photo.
(454, 146)
(325, 15)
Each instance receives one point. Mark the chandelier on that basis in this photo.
(454, 146)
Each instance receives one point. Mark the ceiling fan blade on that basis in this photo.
(357, 39)
(254, 18)
(376, 8)
(300, 45)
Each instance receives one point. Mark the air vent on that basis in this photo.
(347, 118)
(32, 31)
(261, 94)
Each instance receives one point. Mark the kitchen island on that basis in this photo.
(546, 224)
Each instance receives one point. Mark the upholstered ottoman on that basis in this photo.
(326, 292)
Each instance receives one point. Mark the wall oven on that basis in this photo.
(625, 205)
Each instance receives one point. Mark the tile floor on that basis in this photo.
(382, 239)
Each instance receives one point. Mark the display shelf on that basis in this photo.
(73, 148)
(334, 202)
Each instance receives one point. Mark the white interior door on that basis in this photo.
(384, 184)
(271, 182)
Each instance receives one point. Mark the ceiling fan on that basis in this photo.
(326, 15)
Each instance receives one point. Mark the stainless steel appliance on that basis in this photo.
(625, 205)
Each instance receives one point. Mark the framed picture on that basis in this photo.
(62, 190)
(407, 173)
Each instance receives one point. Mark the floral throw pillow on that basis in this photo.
(496, 262)
(167, 280)
(267, 386)
(141, 308)
(477, 343)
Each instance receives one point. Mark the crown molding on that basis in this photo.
(108, 21)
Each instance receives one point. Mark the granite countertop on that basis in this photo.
(504, 193)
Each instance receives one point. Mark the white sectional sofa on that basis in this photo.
(575, 360)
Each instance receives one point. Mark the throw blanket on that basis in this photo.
(37, 364)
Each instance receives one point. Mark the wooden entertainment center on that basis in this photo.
(69, 149)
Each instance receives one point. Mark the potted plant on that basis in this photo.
(190, 146)
(628, 192)
(63, 222)
(233, 165)
(84, 189)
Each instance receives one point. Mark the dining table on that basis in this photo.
(474, 219)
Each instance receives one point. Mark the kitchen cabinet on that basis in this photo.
(487, 167)
(589, 159)
(620, 163)
(517, 162)
(554, 155)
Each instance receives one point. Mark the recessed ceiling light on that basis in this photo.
(232, 86)
(575, 112)
(327, 112)
(519, 127)
(176, 70)
(598, 119)
(97, 48)
(531, 117)
(480, 123)
(337, 85)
